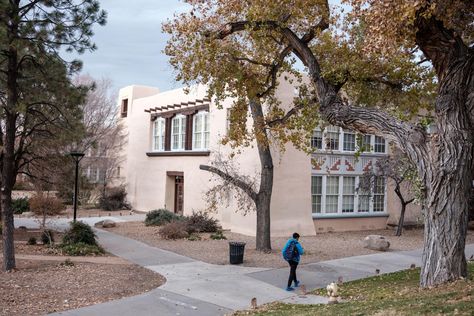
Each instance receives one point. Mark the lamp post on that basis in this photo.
(77, 156)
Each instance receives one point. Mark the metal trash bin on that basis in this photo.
(236, 252)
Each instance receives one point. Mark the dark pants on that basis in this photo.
(293, 266)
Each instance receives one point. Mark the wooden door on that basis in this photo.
(179, 195)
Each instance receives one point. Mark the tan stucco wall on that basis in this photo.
(413, 211)
(349, 224)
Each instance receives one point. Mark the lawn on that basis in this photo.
(391, 294)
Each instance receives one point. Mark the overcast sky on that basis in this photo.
(130, 44)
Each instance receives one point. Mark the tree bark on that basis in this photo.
(401, 220)
(264, 195)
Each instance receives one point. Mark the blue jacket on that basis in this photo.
(298, 246)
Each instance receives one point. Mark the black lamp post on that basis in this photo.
(77, 156)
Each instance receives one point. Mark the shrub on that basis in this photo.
(31, 241)
(161, 217)
(200, 222)
(44, 206)
(20, 205)
(218, 235)
(194, 237)
(81, 249)
(114, 199)
(47, 237)
(80, 232)
(174, 230)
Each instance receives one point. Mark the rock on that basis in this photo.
(27, 214)
(108, 223)
(376, 242)
(99, 224)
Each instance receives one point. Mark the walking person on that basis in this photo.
(291, 253)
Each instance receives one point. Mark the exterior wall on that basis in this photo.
(349, 224)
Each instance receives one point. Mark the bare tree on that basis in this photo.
(401, 171)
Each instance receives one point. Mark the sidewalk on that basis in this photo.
(198, 288)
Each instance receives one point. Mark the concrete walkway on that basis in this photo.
(198, 288)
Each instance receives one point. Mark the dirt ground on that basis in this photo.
(322, 247)
(45, 282)
(69, 213)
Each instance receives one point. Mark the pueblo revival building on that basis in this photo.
(169, 134)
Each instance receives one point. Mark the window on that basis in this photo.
(93, 174)
(124, 108)
(316, 192)
(365, 143)
(379, 144)
(201, 131)
(379, 194)
(317, 139)
(332, 194)
(178, 132)
(349, 141)
(332, 133)
(348, 191)
(159, 134)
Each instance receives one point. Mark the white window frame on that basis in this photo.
(353, 134)
(355, 212)
(158, 134)
(181, 132)
(203, 132)
(316, 195)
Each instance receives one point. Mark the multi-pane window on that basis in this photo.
(349, 141)
(159, 134)
(332, 194)
(379, 144)
(316, 192)
(348, 194)
(337, 195)
(317, 139)
(201, 130)
(178, 132)
(379, 194)
(332, 133)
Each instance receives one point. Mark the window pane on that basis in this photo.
(316, 204)
(348, 203)
(317, 139)
(363, 203)
(365, 143)
(331, 203)
(379, 144)
(332, 185)
(332, 133)
(316, 184)
(379, 185)
(349, 141)
(348, 185)
(348, 191)
(379, 203)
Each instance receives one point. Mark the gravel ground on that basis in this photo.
(41, 287)
(325, 246)
(44, 284)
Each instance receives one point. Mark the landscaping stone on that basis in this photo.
(107, 223)
(376, 242)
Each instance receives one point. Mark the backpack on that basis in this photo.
(291, 252)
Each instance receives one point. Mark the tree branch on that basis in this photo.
(227, 177)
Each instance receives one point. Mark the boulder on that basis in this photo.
(108, 223)
(376, 242)
(28, 214)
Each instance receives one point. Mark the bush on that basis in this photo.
(200, 222)
(80, 232)
(114, 199)
(47, 237)
(174, 230)
(44, 206)
(218, 235)
(81, 249)
(31, 241)
(161, 217)
(20, 205)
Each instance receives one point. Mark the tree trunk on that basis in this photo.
(8, 180)
(264, 195)
(401, 220)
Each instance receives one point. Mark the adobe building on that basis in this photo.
(169, 134)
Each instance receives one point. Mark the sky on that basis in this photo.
(130, 44)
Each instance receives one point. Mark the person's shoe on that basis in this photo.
(289, 288)
(297, 283)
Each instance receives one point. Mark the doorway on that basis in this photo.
(179, 194)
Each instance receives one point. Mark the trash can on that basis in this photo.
(236, 252)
